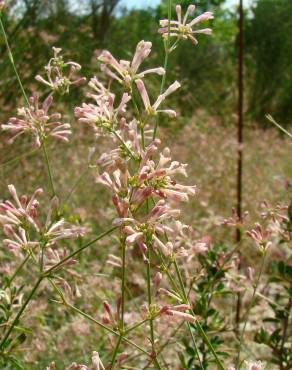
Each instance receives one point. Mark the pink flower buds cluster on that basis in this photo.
(130, 170)
(124, 71)
(53, 257)
(152, 110)
(183, 30)
(35, 121)
(60, 75)
(277, 213)
(177, 311)
(96, 363)
(21, 210)
(254, 365)
(234, 220)
(102, 116)
(111, 317)
(261, 237)
(19, 216)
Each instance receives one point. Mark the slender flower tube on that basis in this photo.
(124, 71)
(35, 121)
(183, 30)
(152, 110)
(60, 74)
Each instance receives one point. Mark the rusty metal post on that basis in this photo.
(239, 139)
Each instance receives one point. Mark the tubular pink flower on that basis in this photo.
(125, 71)
(254, 365)
(102, 116)
(261, 236)
(178, 311)
(153, 109)
(60, 75)
(183, 30)
(23, 209)
(19, 241)
(37, 122)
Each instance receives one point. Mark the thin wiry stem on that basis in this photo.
(78, 251)
(46, 156)
(115, 353)
(197, 323)
(166, 58)
(123, 245)
(27, 102)
(76, 184)
(22, 308)
(17, 271)
(19, 157)
(123, 289)
(249, 308)
(90, 318)
(271, 119)
(150, 301)
(12, 61)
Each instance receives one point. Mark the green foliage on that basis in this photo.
(209, 288)
(269, 53)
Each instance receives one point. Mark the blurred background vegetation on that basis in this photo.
(203, 135)
(208, 73)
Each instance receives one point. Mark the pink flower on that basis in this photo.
(62, 230)
(183, 30)
(110, 316)
(35, 121)
(260, 236)
(178, 311)
(276, 213)
(254, 365)
(18, 239)
(60, 74)
(160, 177)
(153, 109)
(124, 71)
(96, 361)
(21, 211)
(102, 116)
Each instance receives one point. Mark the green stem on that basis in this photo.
(19, 157)
(123, 245)
(90, 318)
(17, 271)
(166, 58)
(76, 184)
(123, 288)
(198, 325)
(12, 61)
(131, 154)
(271, 119)
(116, 352)
(150, 300)
(48, 168)
(100, 236)
(135, 326)
(249, 308)
(17, 317)
(149, 296)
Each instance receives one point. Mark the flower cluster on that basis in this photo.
(35, 121)
(125, 72)
(20, 221)
(60, 74)
(96, 363)
(183, 30)
(261, 237)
